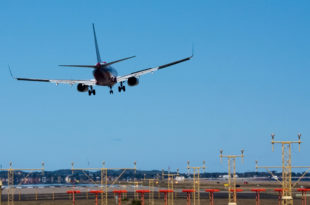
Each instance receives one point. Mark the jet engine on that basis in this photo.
(133, 81)
(82, 88)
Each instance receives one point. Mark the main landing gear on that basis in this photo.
(121, 87)
(91, 91)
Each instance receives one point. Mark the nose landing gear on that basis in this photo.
(111, 91)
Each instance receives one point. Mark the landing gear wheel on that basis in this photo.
(119, 88)
(111, 92)
(124, 88)
(89, 92)
(94, 92)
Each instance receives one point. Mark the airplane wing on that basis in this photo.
(70, 82)
(150, 70)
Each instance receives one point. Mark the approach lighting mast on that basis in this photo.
(287, 197)
(196, 180)
(232, 198)
(104, 177)
(170, 178)
(10, 172)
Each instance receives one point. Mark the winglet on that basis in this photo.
(192, 50)
(11, 72)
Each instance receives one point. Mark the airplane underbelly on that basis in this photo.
(104, 78)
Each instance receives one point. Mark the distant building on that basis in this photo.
(180, 178)
(43, 179)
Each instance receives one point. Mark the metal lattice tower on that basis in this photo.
(287, 197)
(232, 198)
(196, 180)
(10, 172)
(136, 185)
(151, 184)
(10, 185)
(170, 182)
(104, 178)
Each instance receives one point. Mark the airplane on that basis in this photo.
(104, 74)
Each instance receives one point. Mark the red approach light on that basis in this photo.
(119, 192)
(258, 190)
(212, 190)
(303, 195)
(188, 190)
(237, 190)
(188, 195)
(211, 194)
(73, 191)
(279, 190)
(143, 191)
(96, 191)
(165, 190)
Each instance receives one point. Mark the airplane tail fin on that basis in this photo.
(96, 45)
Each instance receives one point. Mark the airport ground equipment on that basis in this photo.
(257, 193)
(73, 192)
(96, 192)
(119, 195)
(166, 192)
(279, 190)
(287, 186)
(303, 195)
(232, 198)
(196, 180)
(10, 172)
(142, 192)
(211, 194)
(104, 178)
(188, 195)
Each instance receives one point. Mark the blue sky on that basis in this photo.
(249, 78)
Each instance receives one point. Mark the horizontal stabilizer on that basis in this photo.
(117, 61)
(80, 66)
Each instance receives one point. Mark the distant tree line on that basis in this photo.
(62, 176)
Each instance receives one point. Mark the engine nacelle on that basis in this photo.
(133, 81)
(82, 88)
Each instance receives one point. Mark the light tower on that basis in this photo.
(170, 177)
(286, 167)
(104, 177)
(232, 198)
(287, 197)
(196, 180)
(151, 184)
(10, 172)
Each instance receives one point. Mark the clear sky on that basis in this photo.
(249, 78)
